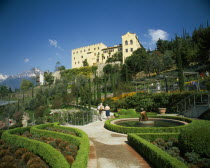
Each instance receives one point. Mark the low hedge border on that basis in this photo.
(82, 141)
(156, 156)
(54, 158)
(125, 130)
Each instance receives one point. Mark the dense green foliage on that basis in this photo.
(115, 57)
(71, 73)
(4, 91)
(26, 84)
(196, 138)
(122, 111)
(49, 78)
(131, 111)
(151, 101)
(194, 48)
(156, 156)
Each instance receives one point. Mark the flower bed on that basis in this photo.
(69, 151)
(46, 151)
(12, 156)
(172, 147)
(193, 143)
(156, 156)
(53, 157)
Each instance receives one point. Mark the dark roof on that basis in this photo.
(112, 47)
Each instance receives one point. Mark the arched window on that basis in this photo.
(131, 41)
(126, 42)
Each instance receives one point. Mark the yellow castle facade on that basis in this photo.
(99, 53)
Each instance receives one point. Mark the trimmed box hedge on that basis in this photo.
(125, 130)
(196, 138)
(82, 141)
(54, 158)
(156, 156)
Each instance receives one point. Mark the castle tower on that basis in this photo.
(130, 43)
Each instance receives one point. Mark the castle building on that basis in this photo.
(99, 53)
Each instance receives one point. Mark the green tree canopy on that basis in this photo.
(49, 78)
(137, 61)
(85, 63)
(4, 91)
(116, 57)
(26, 84)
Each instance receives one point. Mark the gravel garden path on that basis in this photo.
(109, 149)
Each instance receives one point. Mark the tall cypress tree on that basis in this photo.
(89, 94)
(178, 44)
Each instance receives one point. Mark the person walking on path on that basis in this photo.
(207, 74)
(100, 109)
(107, 109)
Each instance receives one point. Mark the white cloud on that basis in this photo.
(26, 60)
(157, 34)
(53, 43)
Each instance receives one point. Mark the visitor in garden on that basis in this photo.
(201, 75)
(100, 109)
(107, 109)
(207, 74)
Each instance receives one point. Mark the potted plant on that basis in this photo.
(162, 110)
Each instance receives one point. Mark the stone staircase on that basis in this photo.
(194, 105)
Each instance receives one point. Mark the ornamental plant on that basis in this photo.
(196, 138)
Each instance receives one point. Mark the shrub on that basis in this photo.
(40, 111)
(146, 104)
(208, 85)
(192, 157)
(122, 111)
(151, 101)
(156, 156)
(70, 159)
(20, 152)
(27, 156)
(8, 158)
(131, 111)
(16, 125)
(57, 102)
(196, 138)
(3, 152)
(33, 160)
(8, 164)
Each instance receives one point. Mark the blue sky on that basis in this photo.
(38, 33)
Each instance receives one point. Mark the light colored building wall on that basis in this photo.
(110, 51)
(91, 53)
(41, 79)
(130, 43)
(57, 75)
(99, 53)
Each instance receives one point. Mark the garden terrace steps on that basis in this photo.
(110, 149)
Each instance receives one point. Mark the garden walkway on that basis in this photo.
(109, 149)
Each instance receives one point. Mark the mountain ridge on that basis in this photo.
(14, 81)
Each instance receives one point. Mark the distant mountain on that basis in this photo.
(3, 77)
(14, 81)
